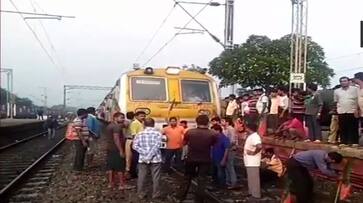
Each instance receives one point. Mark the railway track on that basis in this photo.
(19, 162)
(217, 195)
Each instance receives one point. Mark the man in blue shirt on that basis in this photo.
(298, 168)
(219, 156)
(94, 128)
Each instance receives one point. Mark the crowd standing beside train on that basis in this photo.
(298, 115)
(135, 146)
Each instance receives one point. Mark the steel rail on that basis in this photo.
(21, 141)
(5, 192)
(3, 148)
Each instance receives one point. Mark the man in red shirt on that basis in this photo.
(292, 129)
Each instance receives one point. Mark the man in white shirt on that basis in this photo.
(262, 109)
(273, 117)
(283, 104)
(232, 106)
(262, 102)
(245, 109)
(252, 160)
(346, 98)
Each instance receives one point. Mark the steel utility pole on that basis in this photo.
(228, 16)
(228, 25)
(228, 30)
(10, 92)
(45, 97)
(299, 40)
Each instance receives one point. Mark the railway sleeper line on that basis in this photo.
(27, 167)
(31, 189)
(210, 194)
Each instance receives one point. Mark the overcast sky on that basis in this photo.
(106, 37)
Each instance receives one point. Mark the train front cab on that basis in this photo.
(170, 92)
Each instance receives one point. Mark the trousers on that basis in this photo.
(51, 133)
(334, 128)
(79, 156)
(143, 170)
(313, 126)
(301, 181)
(169, 155)
(128, 154)
(348, 125)
(231, 177)
(253, 178)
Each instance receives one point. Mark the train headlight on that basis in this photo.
(149, 71)
(204, 112)
(172, 70)
(147, 111)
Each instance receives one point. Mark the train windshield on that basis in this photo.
(146, 88)
(195, 91)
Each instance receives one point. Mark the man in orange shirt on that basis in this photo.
(175, 136)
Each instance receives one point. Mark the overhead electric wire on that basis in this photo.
(176, 34)
(33, 3)
(200, 24)
(156, 32)
(36, 36)
(344, 56)
(37, 14)
(350, 69)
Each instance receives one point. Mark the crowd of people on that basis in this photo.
(207, 150)
(296, 114)
(136, 148)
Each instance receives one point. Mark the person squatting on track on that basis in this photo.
(292, 129)
(147, 143)
(271, 168)
(298, 168)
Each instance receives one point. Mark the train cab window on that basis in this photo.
(195, 91)
(146, 88)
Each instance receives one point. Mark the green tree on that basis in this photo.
(23, 101)
(262, 62)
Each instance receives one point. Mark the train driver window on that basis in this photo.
(195, 91)
(146, 88)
